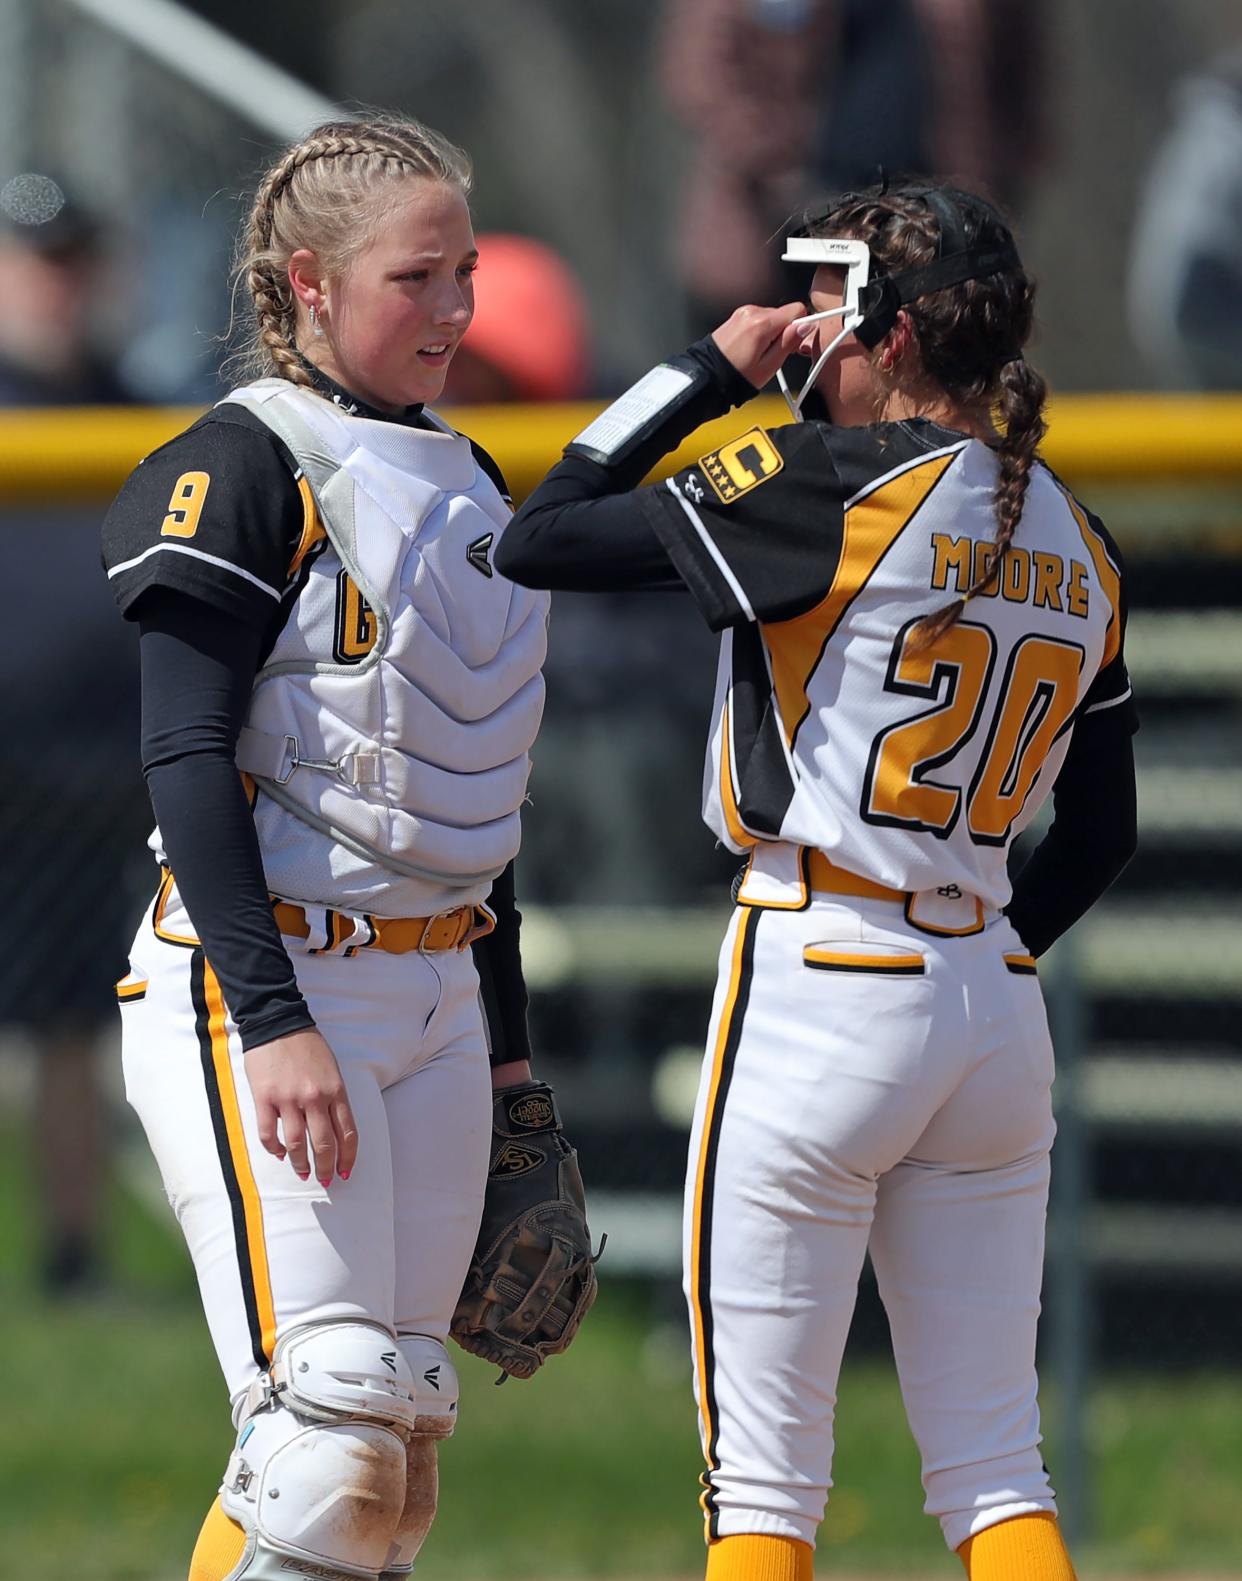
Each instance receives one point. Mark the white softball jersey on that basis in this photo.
(831, 729)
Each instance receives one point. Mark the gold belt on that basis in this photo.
(826, 878)
(447, 930)
(829, 879)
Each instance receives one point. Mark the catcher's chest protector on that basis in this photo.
(396, 711)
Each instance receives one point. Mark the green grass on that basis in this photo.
(115, 1432)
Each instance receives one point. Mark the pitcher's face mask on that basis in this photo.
(871, 301)
(855, 258)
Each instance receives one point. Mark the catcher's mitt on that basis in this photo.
(532, 1277)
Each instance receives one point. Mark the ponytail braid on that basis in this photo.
(327, 193)
(970, 338)
(1023, 391)
(275, 307)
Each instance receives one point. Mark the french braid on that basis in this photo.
(970, 340)
(327, 193)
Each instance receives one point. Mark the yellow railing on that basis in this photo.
(84, 453)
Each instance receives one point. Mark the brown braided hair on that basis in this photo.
(329, 193)
(970, 340)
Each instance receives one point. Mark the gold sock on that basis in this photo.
(753, 1557)
(218, 1548)
(1026, 1548)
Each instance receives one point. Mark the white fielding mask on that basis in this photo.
(852, 320)
(841, 253)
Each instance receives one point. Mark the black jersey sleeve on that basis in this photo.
(755, 527)
(585, 528)
(198, 668)
(216, 513)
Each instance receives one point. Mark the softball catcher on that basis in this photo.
(331, 963)
(921, 639)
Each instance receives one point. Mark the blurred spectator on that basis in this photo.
(1186, 258)
(52, 270)
(64, 796)
(529, 338)
(748, 78)
(789, 100)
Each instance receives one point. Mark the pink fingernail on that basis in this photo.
(325, 1181)
(345, 1174)
(302, 1176)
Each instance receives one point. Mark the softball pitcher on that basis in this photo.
(310, 569)
(921, 638)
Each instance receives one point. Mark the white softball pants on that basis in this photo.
(393, 1242)
(868, 1087)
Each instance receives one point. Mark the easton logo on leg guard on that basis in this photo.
(389, 1358)
(515, 1160)
(432, 1376)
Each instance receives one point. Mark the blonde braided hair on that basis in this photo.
(328, 193)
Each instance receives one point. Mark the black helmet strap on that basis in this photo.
(955, 263)
(881, 298)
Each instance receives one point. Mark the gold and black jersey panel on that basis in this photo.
(755, 528)
(217, 513)
(772, 664)
(1110, 689)
(749, 549)
(873, 524)
(760, 763)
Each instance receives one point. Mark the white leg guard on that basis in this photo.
(435, 1398)
(434, 1381)
(318, 1478)
(422, 1490)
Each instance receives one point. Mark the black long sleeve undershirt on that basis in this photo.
(580, 533)
(502, 986)
(198, 666)
(1094, 832)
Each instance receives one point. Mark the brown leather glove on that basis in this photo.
(532, 1277)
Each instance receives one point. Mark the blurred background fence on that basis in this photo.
(590, 138)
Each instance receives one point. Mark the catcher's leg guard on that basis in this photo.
(434, 1382)
(318, 1478)
(435, 1399)
(422, 1490)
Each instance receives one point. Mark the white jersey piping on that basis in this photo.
(906, 466)
(721, 563)
(195, 554)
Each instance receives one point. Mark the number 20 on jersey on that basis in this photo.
(1037, 697)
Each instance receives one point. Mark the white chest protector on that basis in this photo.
(390, 728)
